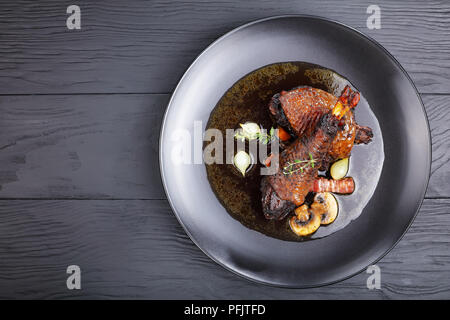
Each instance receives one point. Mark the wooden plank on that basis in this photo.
(106, 146)
(145, 46)
(95, 146)
(136, 249)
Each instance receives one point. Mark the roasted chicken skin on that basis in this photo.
(282, 192)
(299, 110)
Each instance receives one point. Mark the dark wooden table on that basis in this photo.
(80, 113)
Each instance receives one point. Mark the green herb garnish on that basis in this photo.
(299, 165)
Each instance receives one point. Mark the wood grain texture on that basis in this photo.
(136, 249)
(145, 46)
(94, 146)
(106, 146)
(79, 174)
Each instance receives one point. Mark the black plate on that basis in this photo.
(394, 101)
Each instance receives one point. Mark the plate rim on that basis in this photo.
(169, 105)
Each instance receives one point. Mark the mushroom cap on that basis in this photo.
(326, 206)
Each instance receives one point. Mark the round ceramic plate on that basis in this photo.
(392, 98)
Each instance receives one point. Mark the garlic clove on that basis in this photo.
(242, 161)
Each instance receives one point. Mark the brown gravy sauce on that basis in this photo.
(247, 100)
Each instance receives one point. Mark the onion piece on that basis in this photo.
(242, 161)
(339, 169)
(283, 134)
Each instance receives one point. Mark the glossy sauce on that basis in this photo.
(247, 100)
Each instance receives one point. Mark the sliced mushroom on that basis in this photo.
(339, 169)
(326, 207)
(305, 221)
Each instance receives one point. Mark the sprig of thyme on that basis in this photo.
(299, 165)
(264, 137)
